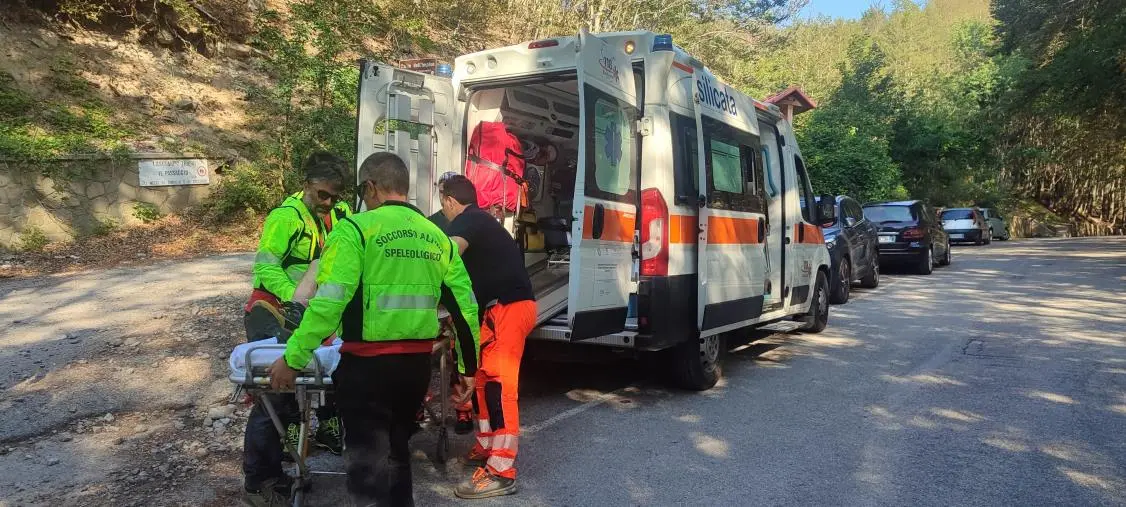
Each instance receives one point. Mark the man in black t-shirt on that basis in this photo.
(508, 312)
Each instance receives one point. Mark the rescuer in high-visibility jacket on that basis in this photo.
(292, 239)
(380, 278)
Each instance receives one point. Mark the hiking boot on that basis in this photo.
(464, 423)
(485, 485)
(273, 493)
(329, 435)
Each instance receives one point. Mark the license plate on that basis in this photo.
(957, 236)
(887, 239)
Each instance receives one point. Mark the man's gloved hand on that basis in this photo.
(293, 312)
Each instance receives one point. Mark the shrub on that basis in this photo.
(255, 187)
(147, 212)
(33, 239)
(104, 227)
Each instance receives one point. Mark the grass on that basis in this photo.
(33, 129)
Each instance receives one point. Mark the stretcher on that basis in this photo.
(249, 364)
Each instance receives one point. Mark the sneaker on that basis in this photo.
(485, 485)
(329, 435)
(464, 422)
(273, 493)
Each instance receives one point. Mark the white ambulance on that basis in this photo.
(654, 254)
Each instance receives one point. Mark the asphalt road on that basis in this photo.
(1000, 380)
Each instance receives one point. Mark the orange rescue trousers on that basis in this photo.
(505, 328)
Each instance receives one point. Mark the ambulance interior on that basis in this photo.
(545, 119)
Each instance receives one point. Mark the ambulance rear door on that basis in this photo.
(605, 203)
(415, 116)
(733, 269)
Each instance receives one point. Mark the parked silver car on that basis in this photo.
(998, 226)
(965, 225)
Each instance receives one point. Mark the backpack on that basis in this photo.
(495, 165)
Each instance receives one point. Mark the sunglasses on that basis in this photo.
(325, 196)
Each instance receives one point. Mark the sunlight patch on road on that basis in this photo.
(710, 445)
(919, 421)
(1120, 409)
(957, 415)
(930, 379)
(1006, 444)
(830, 341)
(1088, 480)
(1052, 397)
(689, 418)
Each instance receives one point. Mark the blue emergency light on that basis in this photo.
(445, 70)
(662, 42)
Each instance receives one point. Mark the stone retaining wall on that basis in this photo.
(107, 191)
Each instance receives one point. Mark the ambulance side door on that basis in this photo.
(415, 116)
(606, 193)
(732, 221)
(807, 239)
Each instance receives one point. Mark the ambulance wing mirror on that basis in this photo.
(827, 210)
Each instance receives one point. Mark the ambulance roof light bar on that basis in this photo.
(662, 42)
(445, 70)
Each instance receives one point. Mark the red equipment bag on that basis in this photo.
(495, 165)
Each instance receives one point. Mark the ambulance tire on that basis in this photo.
(697, 364)
(818, 316)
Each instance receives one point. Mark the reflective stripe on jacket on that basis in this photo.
(380, 278)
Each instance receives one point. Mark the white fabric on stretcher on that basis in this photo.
(263, 358)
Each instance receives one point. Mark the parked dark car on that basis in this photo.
(966, 225)
(909, 232)
(853, 248)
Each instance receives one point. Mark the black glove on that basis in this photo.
(293, 312)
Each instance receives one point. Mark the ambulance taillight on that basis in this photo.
(654, 233)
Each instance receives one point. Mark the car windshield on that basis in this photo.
(880, 214)
(958, 214)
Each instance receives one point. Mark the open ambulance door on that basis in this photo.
(415, 116)
(605, 204)
(733, 269)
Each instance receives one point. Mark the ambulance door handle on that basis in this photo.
(787, 242)
(597, 221)
(761, 231)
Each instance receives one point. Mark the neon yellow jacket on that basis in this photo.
(380, 279)
(291, 238)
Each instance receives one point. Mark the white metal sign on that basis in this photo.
(160, 173)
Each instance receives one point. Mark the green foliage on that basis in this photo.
(846, 142)
(104, 227)
(1061, 120)
(33, 130)
(33, 239)
(245, 187)
(147, 212)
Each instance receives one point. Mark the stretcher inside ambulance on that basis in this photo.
(589, 149)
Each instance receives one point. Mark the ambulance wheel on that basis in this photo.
(697, 363)
(818, 316)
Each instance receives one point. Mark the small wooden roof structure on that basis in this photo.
(792, 101)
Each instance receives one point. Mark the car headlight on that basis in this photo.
(831, 243)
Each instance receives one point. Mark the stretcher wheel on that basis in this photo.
(442, 452)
